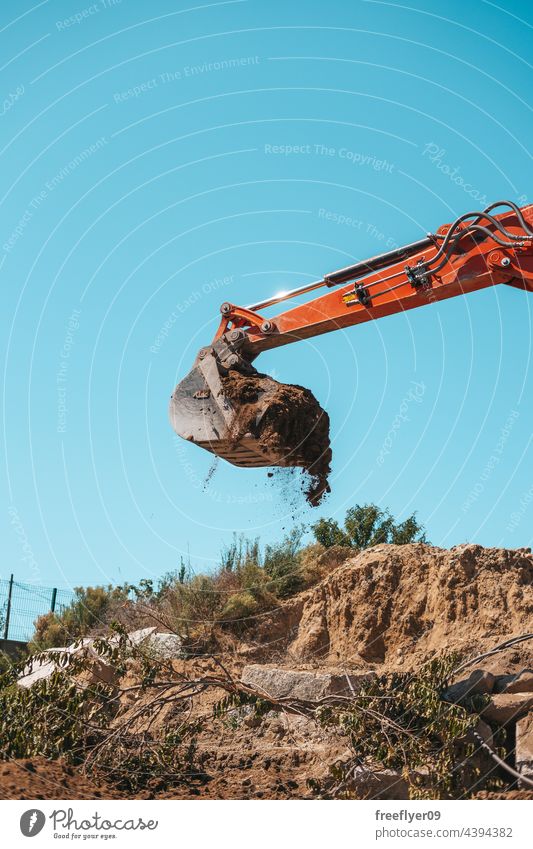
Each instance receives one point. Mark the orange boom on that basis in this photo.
(477, 250)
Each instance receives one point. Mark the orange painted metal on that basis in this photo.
(472, 266)
(238, 317)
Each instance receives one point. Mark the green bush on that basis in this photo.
(367, 525)
(282, 564)
(90, 608)
(400, 722)
(81, 722)
(240, 606)
(247, 581)
(240, 552)
(51, 718)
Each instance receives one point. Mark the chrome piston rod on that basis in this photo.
(360, 269)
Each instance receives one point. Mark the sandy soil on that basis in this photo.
(287, 420)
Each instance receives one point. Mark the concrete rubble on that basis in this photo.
(479, 681)
(308, 686)
(504, 708)
(521, 683)
(162, 645)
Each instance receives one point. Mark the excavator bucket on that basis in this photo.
(202, 412)
(249, 419)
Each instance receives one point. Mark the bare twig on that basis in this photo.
(507, 644)
(496, 758)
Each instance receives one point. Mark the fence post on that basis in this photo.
(8, 609)
(53, 602)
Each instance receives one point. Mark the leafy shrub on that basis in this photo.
(282, 564)
(53, 718)
(367, 525)
(400, 722)
(240, 606)
(309, 564)
(239, 552)
(90, 608)
(60, 717)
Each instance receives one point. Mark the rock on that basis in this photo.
(162, 644)
(502, 681)
(166, 645)
(308, 686)
(252, 721)
(479, 681)
(38, 670)
(97, 668)
(524, 746)
(140, 636)
(521, 683)
(507, 707)
(382, 784)
(480, 762)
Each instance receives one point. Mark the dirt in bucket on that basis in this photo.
(287, 420)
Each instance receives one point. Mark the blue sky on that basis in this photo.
(158, 159)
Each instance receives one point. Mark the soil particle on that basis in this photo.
(211, 472)
(288, 421)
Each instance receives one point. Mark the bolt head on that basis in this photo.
(505, 261)
(234, 335)
(225, 308)
(266, 327)
(232, 361)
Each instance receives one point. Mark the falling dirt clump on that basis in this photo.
(287, 421)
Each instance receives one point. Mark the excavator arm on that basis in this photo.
(477, 250)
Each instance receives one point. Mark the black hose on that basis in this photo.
(473, 229)
(517, 211)
(453, 236)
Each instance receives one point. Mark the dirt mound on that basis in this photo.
(288, 421)
(38, 778)
(399, 604)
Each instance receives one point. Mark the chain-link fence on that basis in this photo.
(21, 604)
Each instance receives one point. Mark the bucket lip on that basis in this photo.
(246, 453)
